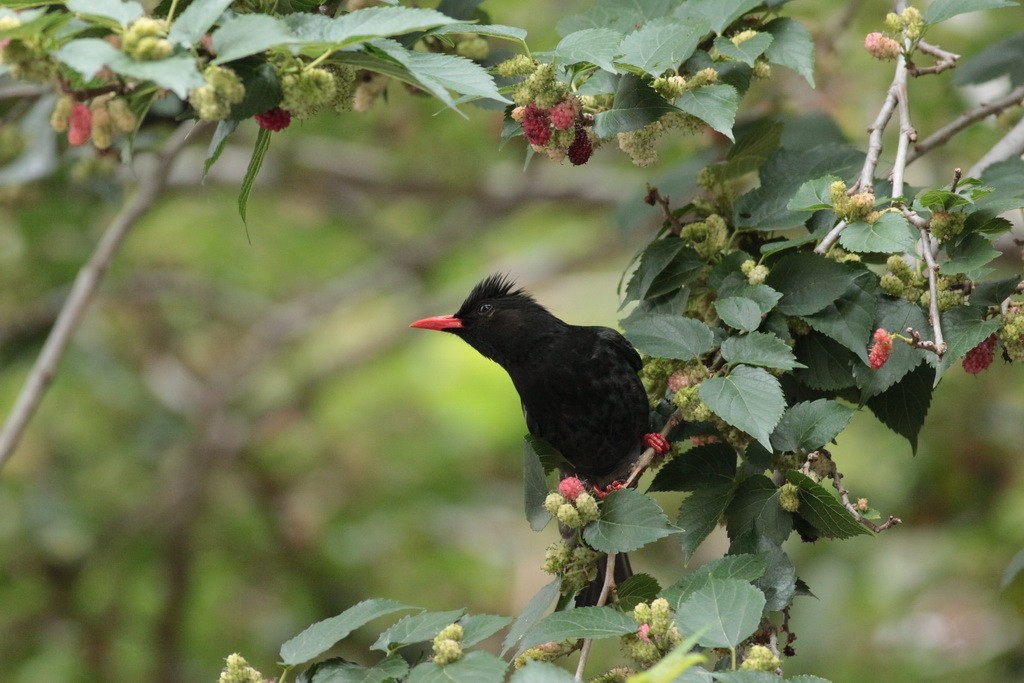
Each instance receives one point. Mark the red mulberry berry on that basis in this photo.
(581, 147)
(275, 119)
(570, 488)
(563, 115)
(536, 125)
(881, 350)
(80, 124)
(980, 357)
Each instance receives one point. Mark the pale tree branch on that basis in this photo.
(1011, 145)
(90, 276)
(606, 591)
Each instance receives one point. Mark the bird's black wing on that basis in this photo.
(621, 346)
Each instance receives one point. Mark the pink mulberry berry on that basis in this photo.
(570, 488)
(881, 46)
(881, 349)
(80, 124)
(274, 119)
(563, 115)
(536, 125)
(581, 147)
(980, 357)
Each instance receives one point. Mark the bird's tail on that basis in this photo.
(589, 596)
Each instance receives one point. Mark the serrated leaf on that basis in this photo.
(537, 671)
(635, 105)
(535, 488)
(748, 398)
(994, 292)
(969, 255)
(850, 318)
(669, 336)
(248, 34)
(435, 72)
(903, 407)
(217, 141)
(890, 234)
(474, 667)
(318, 32)
(629, 520)
(727, 610)
(709, 464)
(720, 13)
(582, 622)
(699, 514)
(823, 510)
(122, 12)
(792, 47)
(808, 283)
(415, 628)
(813, 195)
(739, 313)
(810, 425)
(894, 315)
(338, 670)
(764, 296)
(745, 567)
(323, 635)
(88, 56)
(195, 21)
(829, 364)
(597, 46)
(941, 10)
(662, 44)
(479, 627)
(778, 583)
(1003, 58)
(715, 105)
(759, 348)
(752, 149)
(755, 508)
(531, 614)
(748, 51)
(259, 152)
(634, 590)
(665, 265)
(963, 328)
(493, 30)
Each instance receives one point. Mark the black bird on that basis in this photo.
(578, 385)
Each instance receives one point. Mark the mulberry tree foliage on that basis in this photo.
(798, 282)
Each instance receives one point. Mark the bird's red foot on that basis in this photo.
(656, 441)
(602, 492)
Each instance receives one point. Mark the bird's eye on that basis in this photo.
(484, 308)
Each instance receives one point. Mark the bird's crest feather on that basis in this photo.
(497, 286)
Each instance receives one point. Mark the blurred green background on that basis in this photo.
(246, 437)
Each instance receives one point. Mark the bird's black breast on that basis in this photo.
(581, 393)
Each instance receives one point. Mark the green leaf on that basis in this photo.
(741, 676)
(1003, 58)
(720, 13)
(541, 672)
(259, 152)
(764, 296)
(700, 513)
(755, 509)
(679, 665)
(778, 583)
(739, 313)
(665, 265)
(890, 234)
(338, 670)
(823, 510)
(969, 255)
(748, 51)
(752, 149)
(729, 610)
(582, 622)
(217, 141)
(992, 293)
(88, 56)
(809, 283)
(759, 348)
(748, 398)
(629, 520)
(903, 407)
(636, 104)
(318, 32)
(829, 365)
(715, 105)
(323, 635)
(195, 21)
(415, 628)
(535, 488)
(480, 627)
(121, 12)
(745, 567)
(792, 47)
(597, 46)
(963, 328)
(493, 30)
(669, 336)
(941, 10)
(634, 590)
(474, 667)
(850, 319)
(247, 34)
(662, 44)
(262, 88)
(810, 425)
(813, 195)
(435, 72)
(531, 614)
(710, 464)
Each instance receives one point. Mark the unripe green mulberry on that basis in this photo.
(692, 408)
(760, 658)
(520, 65)
(642, 651)
(102, 128)
(223, 89)
(61, 116)
(306, 91)
(569, 516)
(789, 497)
(642, 613)
(145, 39)
(239, 671)
(946, 225)
(1011, 334)
(587, 507)
(892, 285)
(557, 555)
(447, 651)
(554, 501)
(475, 47)
(762, 69)
(755, 273)
(661, 617)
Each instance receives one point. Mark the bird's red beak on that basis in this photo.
(438, 322)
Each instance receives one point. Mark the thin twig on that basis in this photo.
(654, 197)
(647, 457)
(944, 60)
(844, 495)
(1011, 145)
(946, 133)
(84, 289)
(928, 252)
(606, 590)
